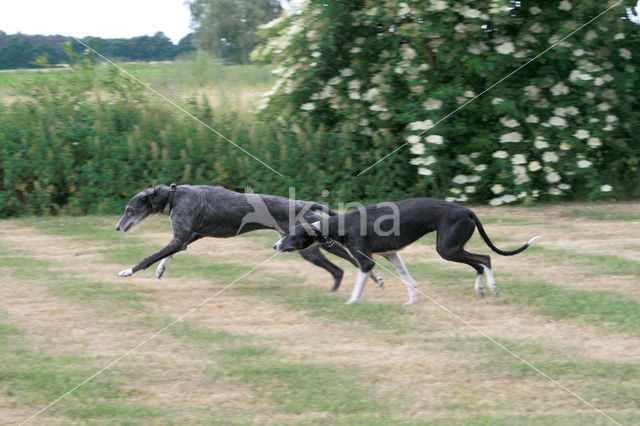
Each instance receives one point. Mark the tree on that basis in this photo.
(227, 27)
(17, 52)
(563, 126)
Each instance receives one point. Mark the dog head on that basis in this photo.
(138, 209)
(303, 236)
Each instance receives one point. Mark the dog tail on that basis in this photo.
(323, 208)
(486, 239)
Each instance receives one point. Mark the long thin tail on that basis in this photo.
(486, 239)
(323, 208)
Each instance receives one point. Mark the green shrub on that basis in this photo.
(389, 70)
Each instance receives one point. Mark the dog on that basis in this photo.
(360, 233)
(212, 211)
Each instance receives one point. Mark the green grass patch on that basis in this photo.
(329, 306)
(601, 264)
(36, 377)
(70, 286)
(618, 311)
(602, 214)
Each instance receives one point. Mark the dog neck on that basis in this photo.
(168, 204)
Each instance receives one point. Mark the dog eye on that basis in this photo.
(127, 210)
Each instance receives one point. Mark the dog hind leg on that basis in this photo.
(162, 266)
(450, 244)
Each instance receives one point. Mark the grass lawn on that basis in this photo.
(277, 347)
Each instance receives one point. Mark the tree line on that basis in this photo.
(36, 51)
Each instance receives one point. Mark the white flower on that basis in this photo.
(572, 110)
(404, 9)
(467, 12)
(370, 94)
(308, 106)
(564, 186)
(559, 89)
(378, 108)
(511, 137)
(335, 80)
(506, 48)
(509, 122)
(550, 157)
(618, 36)
(347, 72)
(554, 191)
(460, 179)
(532, 92)
(464, 159)
(625, 53)
(558, 121)
(508, 198)
(496, 201)
(583, 164)
(359, 40)
(599, 81)
(417, 149)
(500, 154)
(540, 143)
(606, 188)
(424, 171)
(354, 95)
(535, 10)
(316, 54)
(534, 166)
(460, 28)
(480, 168)
(355, 50)
(611, 118)
(432, 104)
(497, 101)
(560, 112)
(413, 139)
(582, 134)
(565, 146)
(536, 28)
(407, 52)
(497, 188)
(385, 116)
(421, 125)
(578, 52)
(470, 189)
(553, 177)
(435, 139)
(519, 159)
(565, 6)
(594, 142)
(590, 35)
(532, 119)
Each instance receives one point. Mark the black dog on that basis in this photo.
(207, 211)
(360, 233)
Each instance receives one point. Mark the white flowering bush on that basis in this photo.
(563, 126)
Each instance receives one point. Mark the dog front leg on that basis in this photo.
(173, 247)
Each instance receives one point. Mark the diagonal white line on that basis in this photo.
(176, 105)
(492, 86)
(501, 346)
(145, 341)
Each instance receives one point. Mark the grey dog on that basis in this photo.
(360, 233)
(212, 211)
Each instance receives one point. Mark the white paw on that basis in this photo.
(350, 302)
(125, 273)
(411, 302)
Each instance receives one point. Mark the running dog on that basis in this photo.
(360, 233)
(212, 211)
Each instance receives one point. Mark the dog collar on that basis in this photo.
(172, 193)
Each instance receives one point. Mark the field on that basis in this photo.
(235, 87)
(276, 347)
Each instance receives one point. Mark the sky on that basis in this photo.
(107, 19)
